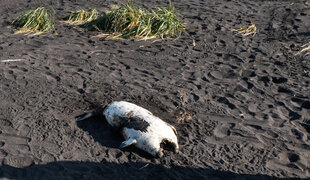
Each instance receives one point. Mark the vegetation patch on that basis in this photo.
(127, 22)
(305, 49)
(39, 20)
(165, 23)
(183, 116)
(82, 16)
(251, 30)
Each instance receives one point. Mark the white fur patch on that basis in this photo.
(156, 131)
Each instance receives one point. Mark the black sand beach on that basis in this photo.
(241, 105)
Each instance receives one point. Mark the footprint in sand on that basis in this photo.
(279, 80)
(19, 162)
(306, 125)
(297, 134)
(271, 142)
(4, 122)
(11, 149)
(224, 100)
(306, 105)
(254, 128)
(288, 157)
(3, 154)
(223, 130)
(295, 164)
(9, 74)
(52, 77)
(216, 74)
(13, 144)
(2, 144)
(24, 130)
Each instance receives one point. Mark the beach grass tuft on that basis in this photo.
(82, 16)
(39, 20)
(165, 23)
(128, 21)
(251, 30)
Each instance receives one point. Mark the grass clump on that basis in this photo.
(39, 20)
(251, 30)
(127, 21)
(82, 16)
(165, 23)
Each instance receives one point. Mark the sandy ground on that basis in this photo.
(248, 97)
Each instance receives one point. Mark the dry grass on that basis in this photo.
(82, 16)
(12, 60)
(250, 30)
(305, 49)
(182, 115)
(36, 21)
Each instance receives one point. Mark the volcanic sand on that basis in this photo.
(241, 105)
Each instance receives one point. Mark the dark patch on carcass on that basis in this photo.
(134, 122)
(168, 146)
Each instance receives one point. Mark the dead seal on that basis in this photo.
(140, 128)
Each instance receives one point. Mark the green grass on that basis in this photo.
(82, 16)
(165, 23)
(39, 20)
(130, 22)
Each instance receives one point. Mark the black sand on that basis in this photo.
(249, 97)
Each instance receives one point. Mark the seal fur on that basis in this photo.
(140, 128)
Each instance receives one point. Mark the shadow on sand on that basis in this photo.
(98, 128)
(106, 170)
(102, 132)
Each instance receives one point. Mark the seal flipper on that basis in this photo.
(84, 116)
(128, 142)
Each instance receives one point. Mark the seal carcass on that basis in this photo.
(141, 128)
